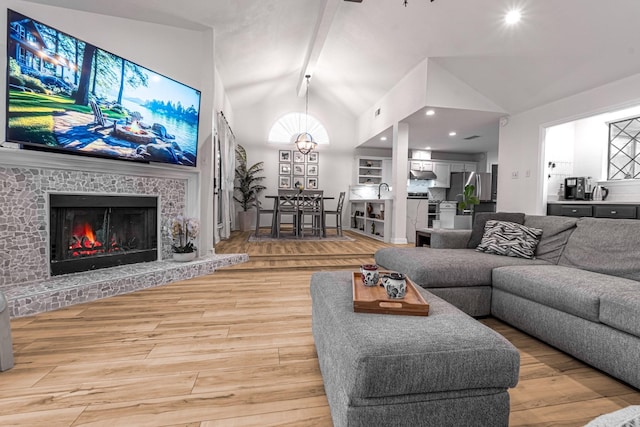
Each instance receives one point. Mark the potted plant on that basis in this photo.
(183, 230)
(465, 205)
(247, 187)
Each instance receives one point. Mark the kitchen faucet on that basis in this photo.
(380, 186)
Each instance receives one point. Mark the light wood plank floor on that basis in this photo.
(235, 349)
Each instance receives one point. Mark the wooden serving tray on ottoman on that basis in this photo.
(374, 299)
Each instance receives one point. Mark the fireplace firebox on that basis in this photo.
(89, 232)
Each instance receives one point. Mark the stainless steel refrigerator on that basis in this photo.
(480, 180)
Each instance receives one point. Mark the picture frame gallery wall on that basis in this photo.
(296, 169)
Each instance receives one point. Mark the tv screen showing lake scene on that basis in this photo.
(66, 95)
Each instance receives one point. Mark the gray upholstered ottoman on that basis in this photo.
(446, 369)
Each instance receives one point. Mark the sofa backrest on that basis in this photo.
(609, 246)
(555, 233)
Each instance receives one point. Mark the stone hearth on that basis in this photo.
(62, 291)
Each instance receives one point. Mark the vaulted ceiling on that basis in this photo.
(356, 52)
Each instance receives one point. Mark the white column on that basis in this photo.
(399, 175)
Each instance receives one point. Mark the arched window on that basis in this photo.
(285, 130)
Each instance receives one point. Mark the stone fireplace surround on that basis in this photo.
(26, 180)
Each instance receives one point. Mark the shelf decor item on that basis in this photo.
(183, 230)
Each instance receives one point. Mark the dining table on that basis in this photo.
(274, 220)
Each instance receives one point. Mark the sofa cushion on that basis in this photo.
(608, 246)
(443, 268)
(621, 310)
(573, 291)
(481, 219)
(509, 239)
(555, 233)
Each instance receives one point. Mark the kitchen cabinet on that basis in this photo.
(464, 167)
(420, 165)
(598, 210)
(371, 218)
(371, 170)
(443, 174)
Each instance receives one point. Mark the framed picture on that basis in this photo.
(312, 183)
(312, 157)
(285, 168)
(285, 156)
(312, 170)
(298, 170)
(298, 157)
(284, 182)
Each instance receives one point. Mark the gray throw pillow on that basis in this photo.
(481, 219)
(509, 239)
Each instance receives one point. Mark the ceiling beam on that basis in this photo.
(318, 39)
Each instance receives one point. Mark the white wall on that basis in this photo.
(590, 148)
(521, 145)
(183, 55)
(559, 155)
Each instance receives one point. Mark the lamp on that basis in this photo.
(304, 141)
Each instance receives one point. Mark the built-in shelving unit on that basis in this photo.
(370, 170)
(371, 218)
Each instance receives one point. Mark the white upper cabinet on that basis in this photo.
(464, 167)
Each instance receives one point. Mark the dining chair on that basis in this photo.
(259, 212)
(287, 206)
(338, 213)
(311, 206)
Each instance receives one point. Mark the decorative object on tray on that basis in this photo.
(395, 284)
(370, 275)
(183, 230)
(374, 299)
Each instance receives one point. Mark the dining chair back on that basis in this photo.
(338, 214)
(311, 206)
(259, 212)
(287, 206)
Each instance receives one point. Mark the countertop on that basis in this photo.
(589, 202)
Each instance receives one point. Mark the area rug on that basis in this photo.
(626, 417)
(290, 237)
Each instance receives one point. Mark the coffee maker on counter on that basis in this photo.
(575, 188)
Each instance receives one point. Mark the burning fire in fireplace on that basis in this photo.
(85, 243)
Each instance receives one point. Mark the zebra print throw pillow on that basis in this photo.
(509, 239)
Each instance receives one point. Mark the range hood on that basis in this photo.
(418, 174)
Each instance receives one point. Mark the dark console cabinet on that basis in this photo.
(595, 210)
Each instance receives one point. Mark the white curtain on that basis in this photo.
(228, 165)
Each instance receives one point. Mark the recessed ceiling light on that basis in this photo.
(452, 134)
(512, 17)
(383, 138)
(430, 112)
(427, 148)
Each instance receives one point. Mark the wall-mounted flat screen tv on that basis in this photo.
(70, 96)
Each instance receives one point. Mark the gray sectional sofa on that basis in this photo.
(580, 294)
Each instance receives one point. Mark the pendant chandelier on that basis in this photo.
(304, 141)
